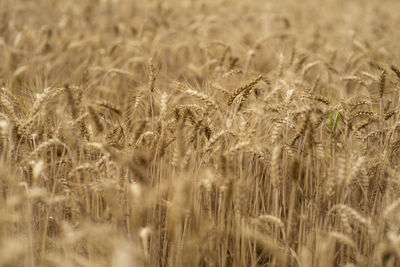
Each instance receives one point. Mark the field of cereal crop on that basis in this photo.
(199, 133)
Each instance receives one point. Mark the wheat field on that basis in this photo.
(199, 133)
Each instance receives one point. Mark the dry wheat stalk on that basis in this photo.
(203, 97)
(275, 173)
(244, 88)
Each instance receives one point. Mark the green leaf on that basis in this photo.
(336, 122)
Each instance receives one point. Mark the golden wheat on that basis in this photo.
(199, 133)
